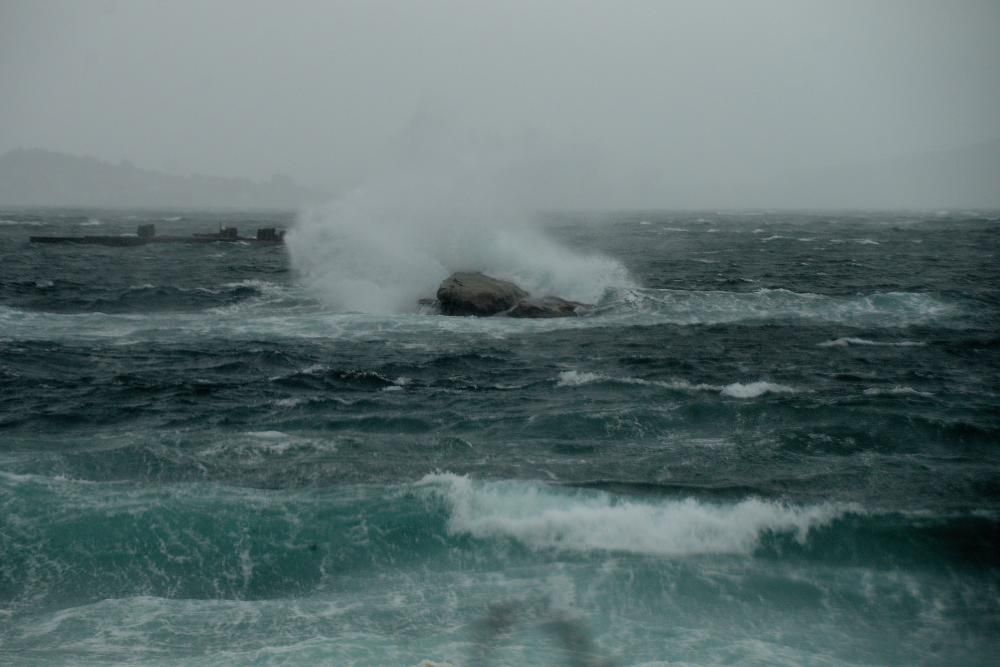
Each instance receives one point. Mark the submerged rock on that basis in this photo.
(473, 293)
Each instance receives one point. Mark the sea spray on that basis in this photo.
(541, 517)
(450, 201)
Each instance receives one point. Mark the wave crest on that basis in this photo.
(544, 518)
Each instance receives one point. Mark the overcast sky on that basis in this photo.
(692, 92)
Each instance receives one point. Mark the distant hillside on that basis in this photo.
(30, 177)
(967, 177)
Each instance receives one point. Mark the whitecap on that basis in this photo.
(898, 390)
(755, 389)
(574, 378)
(267, 434)
(577, 378)
(290, 402)
(541, 517)
(845, 342)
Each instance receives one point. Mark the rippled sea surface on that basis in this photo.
(779, 445)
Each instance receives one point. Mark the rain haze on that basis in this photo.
(476, 333)
(635, 104)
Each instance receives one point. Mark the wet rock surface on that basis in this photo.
(474, 293)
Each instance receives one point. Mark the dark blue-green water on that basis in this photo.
(776, 442)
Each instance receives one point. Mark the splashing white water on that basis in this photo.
(449, 203)
(755, 389)
(543, 517)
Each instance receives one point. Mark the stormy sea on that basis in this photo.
(774, 440)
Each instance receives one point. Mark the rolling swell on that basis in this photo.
(61, 296)
(877, 309)
(780, 450)
(81, 542)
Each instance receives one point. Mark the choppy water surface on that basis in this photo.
(775, 443)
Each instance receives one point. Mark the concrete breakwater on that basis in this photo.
(146, 234)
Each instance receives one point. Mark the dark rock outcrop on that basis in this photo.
(472, 293)
(546, 306)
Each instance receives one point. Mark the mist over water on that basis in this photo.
(446, 200)
(772, 441)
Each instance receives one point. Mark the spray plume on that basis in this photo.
(449, 200)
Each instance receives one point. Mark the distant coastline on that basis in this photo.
(48, 179)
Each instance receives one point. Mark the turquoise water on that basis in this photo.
(773, 442)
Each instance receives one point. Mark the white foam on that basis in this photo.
(857, 241)
(755, 389)
(714, 307)
(898, 390)
(845, 342)
(448, 202)
(574, 378)
(577, 378)
(541, 517)
(291, 402)
(288, 311)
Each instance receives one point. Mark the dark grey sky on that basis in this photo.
(692, 94)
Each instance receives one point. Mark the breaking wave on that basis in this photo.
(447, 202)
(735, 390)
(755, 389)
(544, 518)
